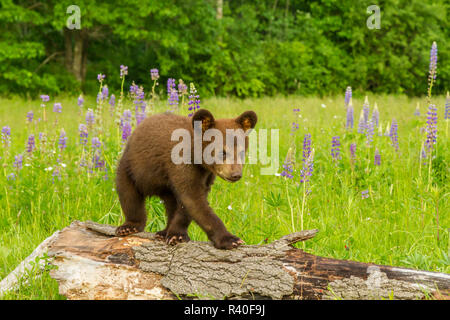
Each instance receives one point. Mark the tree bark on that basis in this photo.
(77, 66)
(94, 264)
(219, 9)
(68, 58)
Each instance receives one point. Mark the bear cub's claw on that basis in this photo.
(172, 238)
(127, 229)
(227, 242)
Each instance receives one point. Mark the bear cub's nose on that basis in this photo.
(236, 176)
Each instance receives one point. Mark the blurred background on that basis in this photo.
(237, 48)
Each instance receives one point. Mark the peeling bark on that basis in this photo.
(94, 264)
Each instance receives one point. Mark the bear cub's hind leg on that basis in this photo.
(132, 203)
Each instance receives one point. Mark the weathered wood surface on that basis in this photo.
(94, 264)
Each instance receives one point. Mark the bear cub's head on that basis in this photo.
(225, 142)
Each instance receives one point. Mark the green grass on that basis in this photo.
(396, 225)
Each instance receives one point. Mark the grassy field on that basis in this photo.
(395, 213)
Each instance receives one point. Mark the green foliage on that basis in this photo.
(263, 47)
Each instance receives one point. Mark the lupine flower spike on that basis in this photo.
(394, 134)
(30, 116)
(335, 148)
(369, 132)
(288, 166)
(350, 114)
(431, 128)
(366, 109)
(375, 116)
(30, 144)
(348, 95)
(308, 168)
(362, 123)
(194, 100)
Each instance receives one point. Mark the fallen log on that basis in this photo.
(94, 264)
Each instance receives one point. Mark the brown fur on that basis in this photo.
(146, 170)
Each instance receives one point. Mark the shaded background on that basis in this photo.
(228, 48)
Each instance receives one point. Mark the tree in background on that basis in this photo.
(243, 48)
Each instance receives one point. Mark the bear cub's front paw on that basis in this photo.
(227, 241)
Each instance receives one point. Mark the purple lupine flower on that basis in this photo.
(348, 95)
(6, 135)
(172, 92)
(306, 147)
(45, 98)
(57, 107)
(99, 97)
(364, 194)
(11, 177)
(18, 161)
(112, 100)
(377, 159)
(80, 101)
(447, 107)
(127, 115)
(433, 60)
(362, 123)
(133, 88)
(100, 77)
(369, 132)
(30, 116)
(62, 140)
(83, 132)
(349, 116)
(126, 131)
(366, 109)
(431, 128)
(294, 127)
(96, 143)
(308, 167)
(375, 116)
(90, 117)
(97, 162)
(170, 85)
(194, 100)
(335, 148)
(288, 166)
(394, 134)
(123, 71)
(139, 99)
(154, 74)
(30, 144)
(417, 112)
(353, 150)
(140, 116)
(105, 92)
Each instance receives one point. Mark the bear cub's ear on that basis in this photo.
(205, 117)
(247, 120)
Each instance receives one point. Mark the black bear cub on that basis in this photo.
(147, 169)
